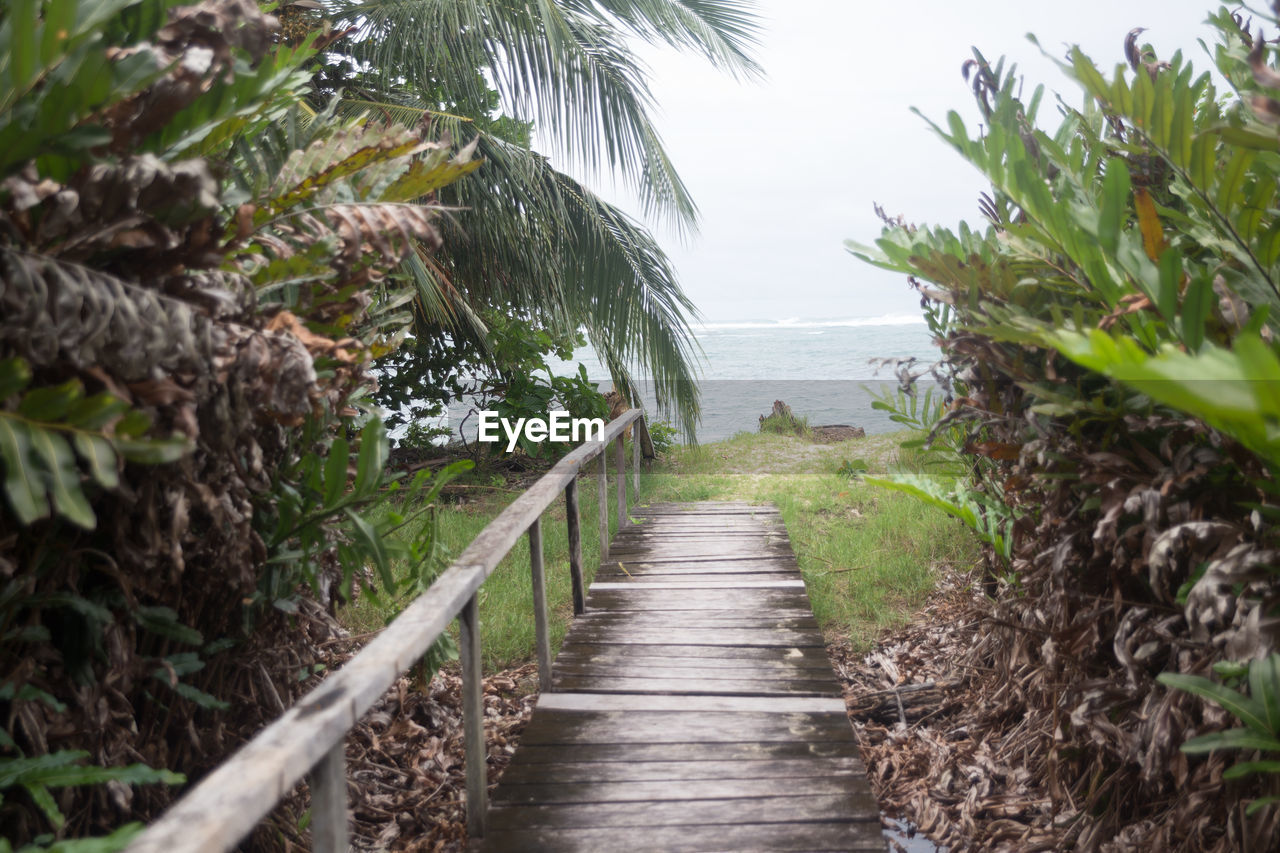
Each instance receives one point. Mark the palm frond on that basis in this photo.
(533, 238)
(565, 65)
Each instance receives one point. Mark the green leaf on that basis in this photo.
(14, 771)
(154, 451)
(335, 471)
(44, 800)
(52, 403)
(97, 453)
(1259, 804)
(1249, 711)
(62, 477)
(1231, 739)
(15, 374)
(1246, 768)
(1114, 208)
(372, 458)
(94, 413)
(1170, 285)
(1264, 688)
(164, 621)
(23, 486)
(371, 544)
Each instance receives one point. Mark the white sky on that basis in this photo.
(787, 169)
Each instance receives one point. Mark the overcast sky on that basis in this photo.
(786, 169)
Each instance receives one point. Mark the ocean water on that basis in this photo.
(828, 370)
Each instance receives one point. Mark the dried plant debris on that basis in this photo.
(977, 758)
(405, 761)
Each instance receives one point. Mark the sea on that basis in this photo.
(827, 370)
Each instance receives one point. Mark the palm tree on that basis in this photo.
(527, 236)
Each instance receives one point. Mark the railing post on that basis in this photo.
(542, 639)
(573, 516)
(602, 496)
(635, 458)
(328, 781)
(622, 483)
(473, 717)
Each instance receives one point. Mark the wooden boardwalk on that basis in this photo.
(692, 706)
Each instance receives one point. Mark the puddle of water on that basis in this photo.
(903, 837)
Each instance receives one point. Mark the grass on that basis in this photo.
(869, 557)
(506, 599)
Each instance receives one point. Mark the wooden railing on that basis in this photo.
(310, 738)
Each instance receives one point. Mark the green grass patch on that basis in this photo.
(506, 599)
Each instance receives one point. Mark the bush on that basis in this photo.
(1110, 340)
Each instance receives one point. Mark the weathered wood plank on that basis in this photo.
(543, 792)
(701, 655)
(639, 753)
(757, 600)
(473, 717)
(775, 685)
(573, 520)
(541, 631)
(740, 637)
(701, 619)
(579, 727)
(751, 708)
(853, 837)
(329, 822)
(802, 809)
(713, 559)
(697, 571)
(524, 773)
(790, 583)
(685, 668)
(602, 503)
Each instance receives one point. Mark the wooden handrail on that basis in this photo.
(309, 738)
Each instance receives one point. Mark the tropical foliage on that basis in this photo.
(1111, 370)
(527, 238)
(194, 281)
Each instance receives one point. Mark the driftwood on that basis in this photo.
(905, 704)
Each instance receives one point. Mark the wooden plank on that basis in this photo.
(544, 792)
(740, 637)
(689, 577)
(573, 520)
(701, 619)
(602, 503)
(575, 667)
(523, 773)
(713, 559)
(622, 483)
(328, 782)
(587, 703)
(701, 655)
(640, 598)
(639, 753)
(646, 814)
(473, 717)
(853, 837)
(581, 727)
(775, 685)
(542, 636)
(734, 583)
